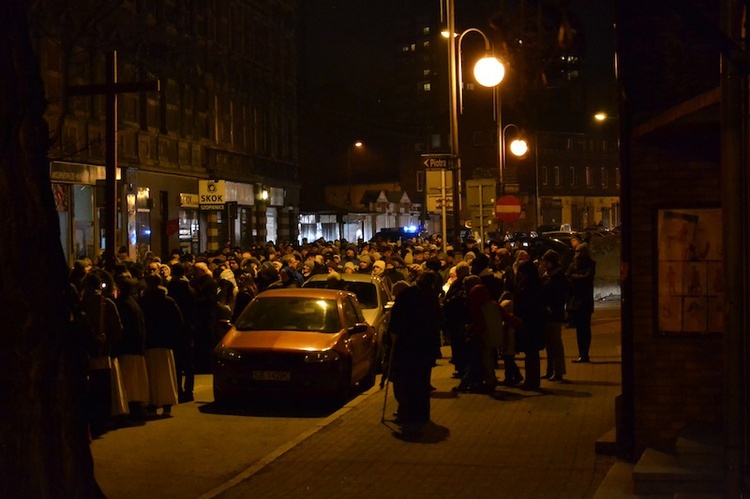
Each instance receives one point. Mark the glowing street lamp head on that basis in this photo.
(519, 147)
(600, 116)
(358, 143)
(489, 71)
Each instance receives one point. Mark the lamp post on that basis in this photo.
(518, 147)
(489, 71)
(357, 144)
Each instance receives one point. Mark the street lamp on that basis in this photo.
(488, 72)
(518, 147)
(356, 145)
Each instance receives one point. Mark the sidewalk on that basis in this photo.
(518, 444)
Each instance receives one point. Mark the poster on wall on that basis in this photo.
(690, 271)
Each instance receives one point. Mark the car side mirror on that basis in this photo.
(358, 328)
(224, 325)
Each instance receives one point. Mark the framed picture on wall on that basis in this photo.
(690, 279)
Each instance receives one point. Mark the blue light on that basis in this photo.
(147, 232)
(411, 229)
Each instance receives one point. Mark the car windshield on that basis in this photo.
(367, 294)
(290, 314)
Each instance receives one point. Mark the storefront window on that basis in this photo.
(143, 222)
(189, 232)
(83, 215)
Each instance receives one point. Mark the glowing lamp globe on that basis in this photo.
(489, 71)
(519, 147)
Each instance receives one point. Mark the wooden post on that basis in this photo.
(111, 88)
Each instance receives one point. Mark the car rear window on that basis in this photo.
(366, 293)
(290, 314)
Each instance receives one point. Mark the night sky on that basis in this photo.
(347, 59)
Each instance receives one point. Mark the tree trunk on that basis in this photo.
(44, 449)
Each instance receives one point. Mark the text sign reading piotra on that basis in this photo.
(437, 161)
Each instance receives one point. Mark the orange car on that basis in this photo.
(302, 342)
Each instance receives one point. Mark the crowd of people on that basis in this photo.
(150, 326)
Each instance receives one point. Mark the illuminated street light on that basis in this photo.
(519, 147)
(488, 72)
(357, 144)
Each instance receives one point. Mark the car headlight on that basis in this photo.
(325, 356)
(225, 353)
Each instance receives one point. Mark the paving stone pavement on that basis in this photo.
(516, 444)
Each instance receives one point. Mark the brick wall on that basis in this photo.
(678, 380)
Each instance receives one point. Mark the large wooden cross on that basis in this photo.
(110, 88)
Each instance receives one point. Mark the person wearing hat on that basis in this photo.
(580, 276)
(349, 268)
(418, 256)
(378, 269)
(394, 269)
(365, 264)
(554, 297)
(350, 254)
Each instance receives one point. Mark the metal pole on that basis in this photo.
(443, 209)
(453, 84)
(110, 182)
(536, 180)
(500, 138)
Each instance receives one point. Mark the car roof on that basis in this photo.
(314, 293)
(347, 277)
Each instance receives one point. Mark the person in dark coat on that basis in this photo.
(413, 329)
(180, 291)
(205, 317)
(456, 319)
(529, 308)
(580, 277)
(480, 373)
(246, 291)
(554, 296)
(163, 331)
(130, 351)
(104, 329)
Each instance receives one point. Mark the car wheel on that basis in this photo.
(220, 397)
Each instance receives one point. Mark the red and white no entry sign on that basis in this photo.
(508, 209)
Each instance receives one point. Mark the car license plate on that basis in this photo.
(272, 376)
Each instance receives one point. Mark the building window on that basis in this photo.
(404, 48)
(426, 72)
(426, 30)
(589, 177)
(573, 176)
(617, 178)
(605, 178)
(435, 140)
(420, 181)
(477, 139)
(426, 86)
(545, 176)
(426, 44)
(557, 176)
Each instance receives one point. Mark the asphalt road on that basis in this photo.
(200, 447)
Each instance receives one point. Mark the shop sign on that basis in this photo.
(212, 194)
